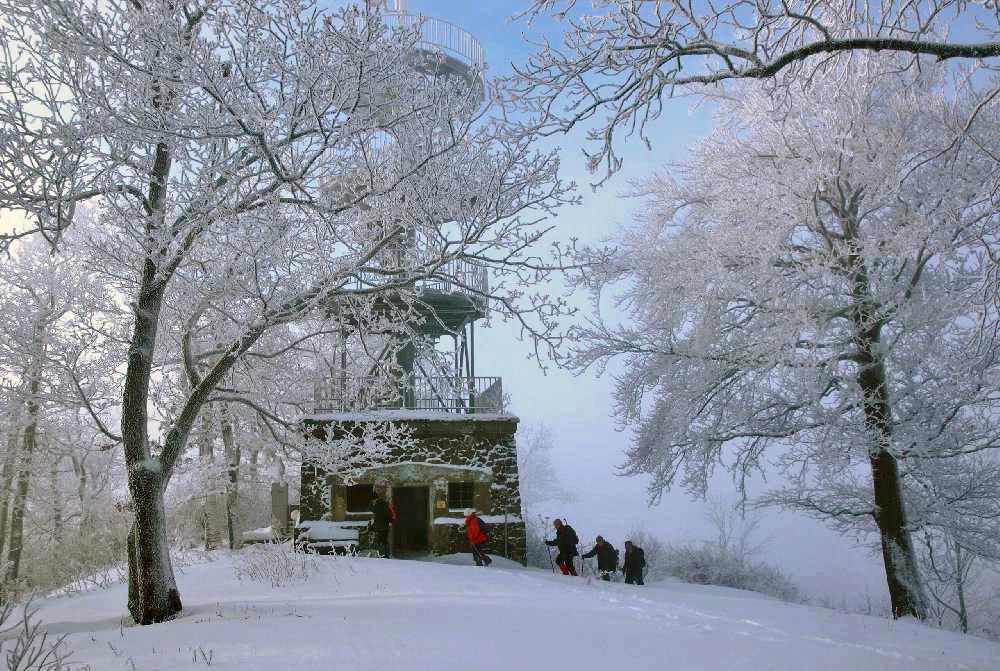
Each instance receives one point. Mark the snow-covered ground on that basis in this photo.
(369, 614)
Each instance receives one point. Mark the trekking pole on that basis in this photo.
(545, 525)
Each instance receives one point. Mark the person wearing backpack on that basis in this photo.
(478, 533)
(607, 558)
(635, 561)
(566, 540)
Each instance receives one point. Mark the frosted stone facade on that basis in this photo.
(477, 451)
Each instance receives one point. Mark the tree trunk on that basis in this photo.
(960, 573)
(206, 454)
(80, 469)
(232, 455)
(57, 507)
(902, 574)
(152, 588)
(152, 593)
(6, 481)
(28, 442)
(901, 571)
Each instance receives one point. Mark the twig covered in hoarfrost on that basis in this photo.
(24, 645)
(619, 60)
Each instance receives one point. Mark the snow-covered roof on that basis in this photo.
(458, 467)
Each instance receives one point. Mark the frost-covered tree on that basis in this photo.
(956, 504)
(619, 60)
(253, 163)
(811, 289)
(537, 476)
(56, 459)
(538, 483)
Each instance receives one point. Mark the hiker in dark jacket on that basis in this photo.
(634, 563)
(381, 519)
(475, 531)
(566, 540)
(607, 558)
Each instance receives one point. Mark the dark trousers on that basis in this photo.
(479, 554)
(634, 578)
(565, 564)
(382, 543)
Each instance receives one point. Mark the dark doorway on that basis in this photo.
(412, 528)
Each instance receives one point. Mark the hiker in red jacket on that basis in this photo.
(476, 532)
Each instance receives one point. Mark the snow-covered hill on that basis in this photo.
(365, 614)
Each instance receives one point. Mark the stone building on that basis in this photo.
(458, 461)
(461, 449)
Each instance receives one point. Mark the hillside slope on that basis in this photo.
(365, 614)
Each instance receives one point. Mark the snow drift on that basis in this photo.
(368, 614)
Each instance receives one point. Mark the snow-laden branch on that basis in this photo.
(617, 64)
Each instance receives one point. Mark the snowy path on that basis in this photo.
(381, 615)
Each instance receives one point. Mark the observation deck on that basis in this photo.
(463, 395)
(439, 36)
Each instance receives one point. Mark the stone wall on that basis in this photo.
(477, 449)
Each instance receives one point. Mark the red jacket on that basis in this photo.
(473, 531)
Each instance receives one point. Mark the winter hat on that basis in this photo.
(469, 512)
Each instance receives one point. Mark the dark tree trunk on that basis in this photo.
(57, 505)
(28, 443)
(152, 593)
(152, 588)
(906, 591)
(209, 507)
(901, 571)
(232, 453)
(961, 570)
(6, 481)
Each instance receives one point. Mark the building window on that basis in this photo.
(359, 498)
(460, 495)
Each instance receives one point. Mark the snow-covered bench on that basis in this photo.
(324, 537)
(262, 535)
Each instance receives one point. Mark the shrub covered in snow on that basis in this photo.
(275, 564)
(708, 564)
(24, 646)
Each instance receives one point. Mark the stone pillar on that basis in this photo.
(279, 509)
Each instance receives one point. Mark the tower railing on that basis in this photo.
(453, 276)
(464, 395)
(441, 34)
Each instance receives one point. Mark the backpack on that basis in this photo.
(572, 535)
(483, 526)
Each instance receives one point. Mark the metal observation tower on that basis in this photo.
(429, 365)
